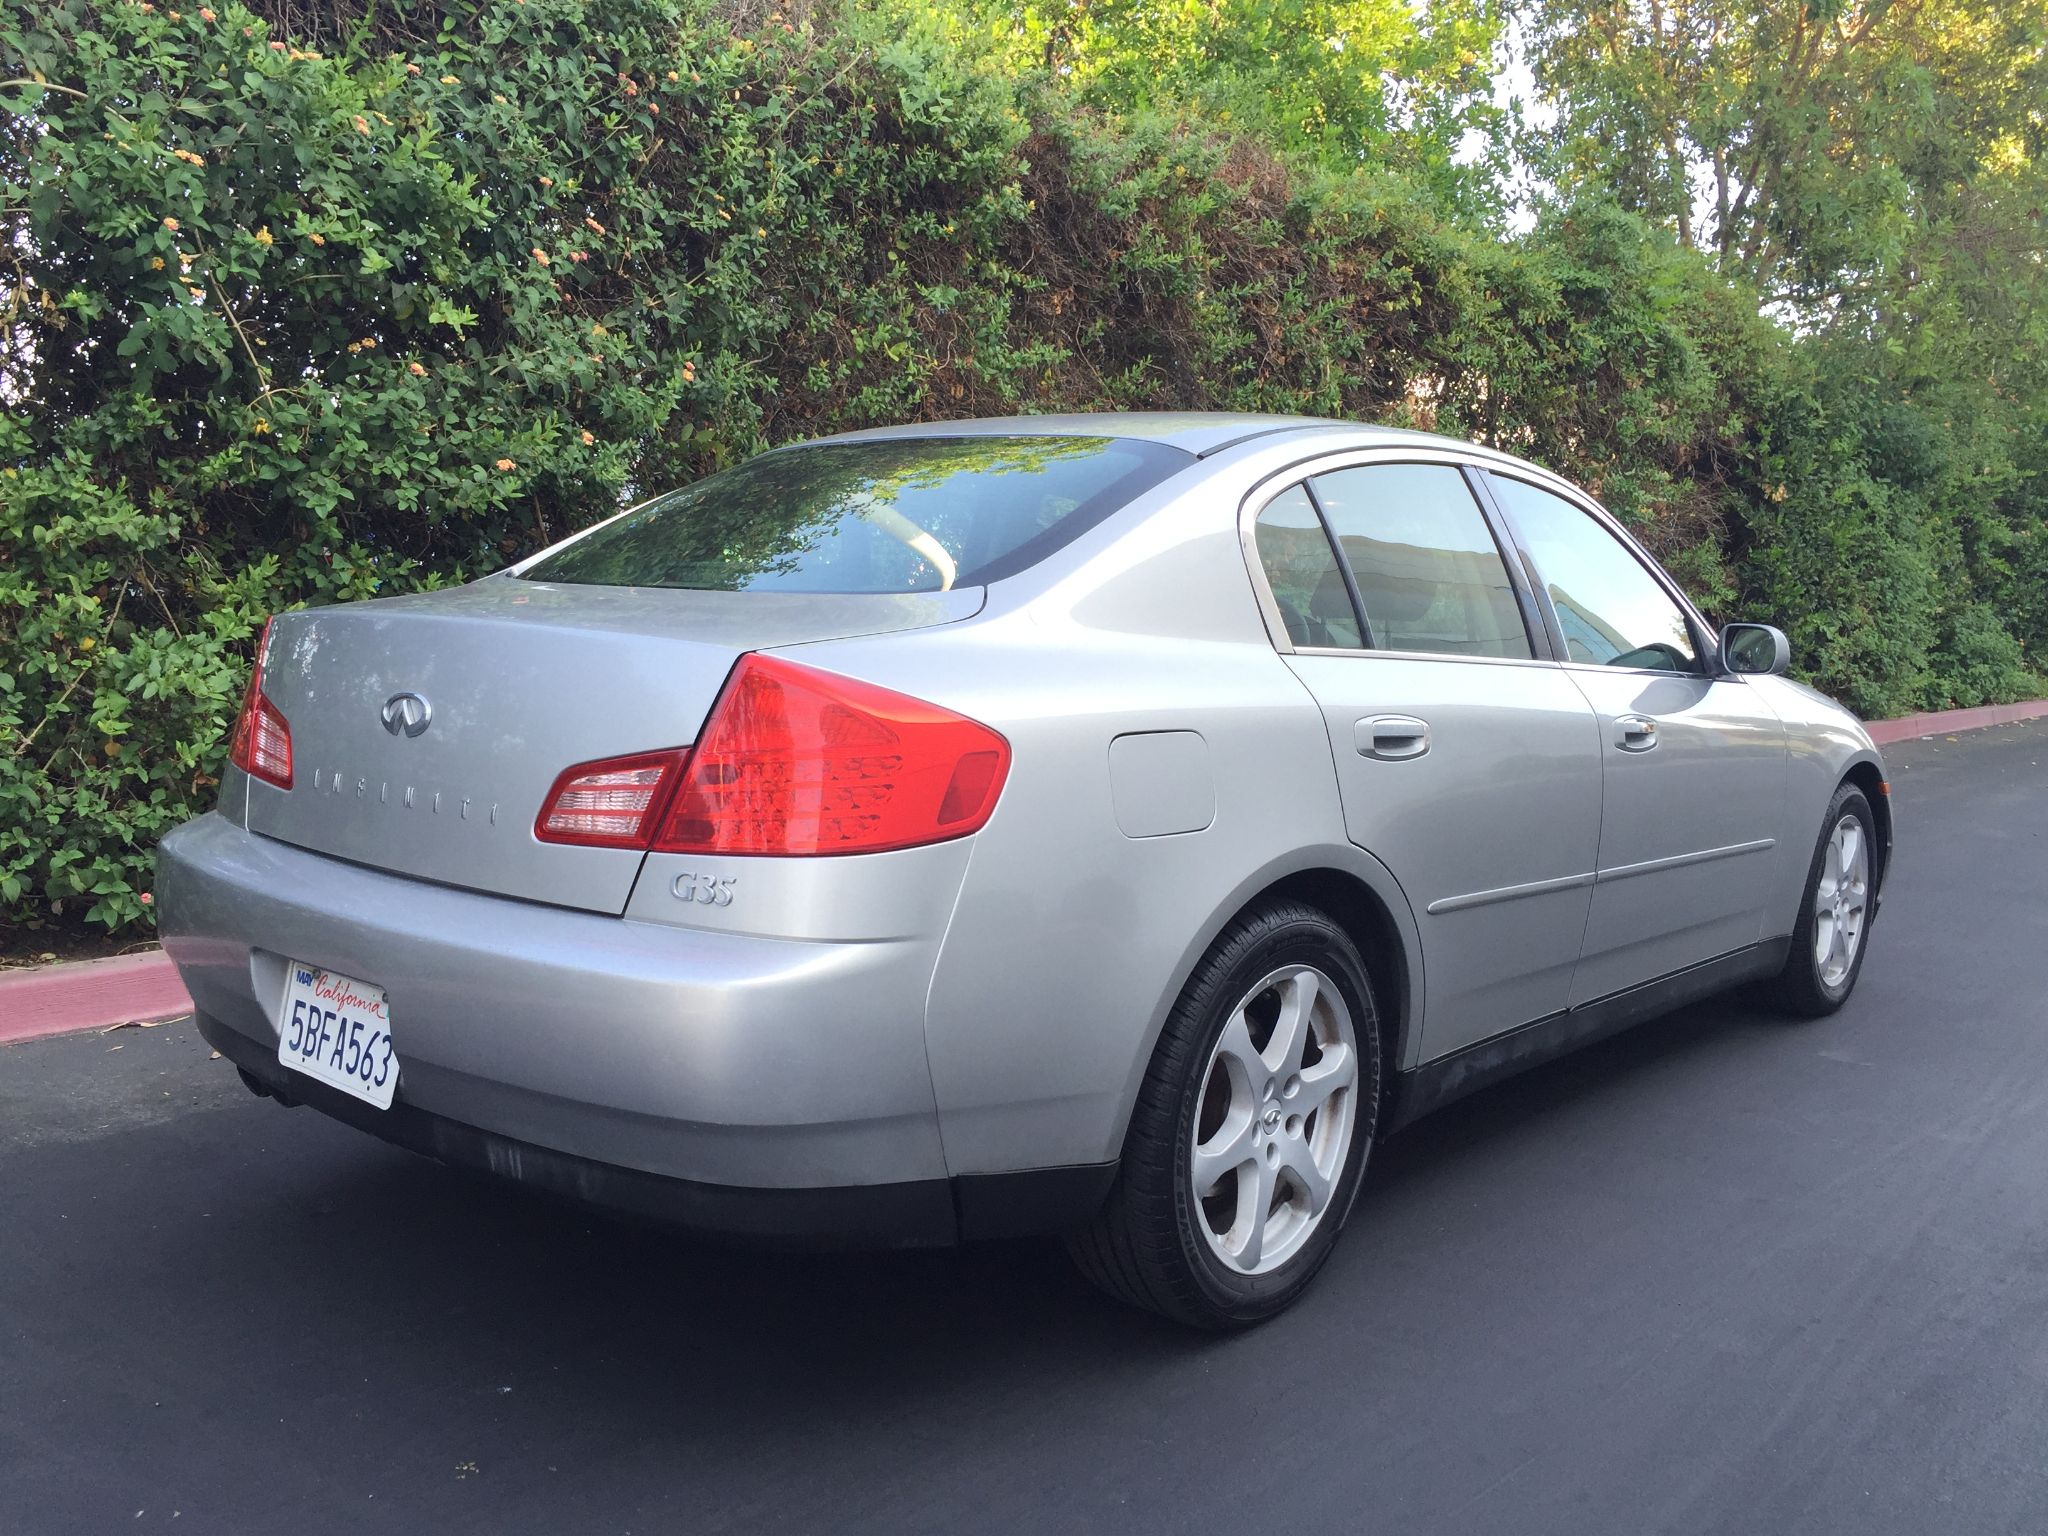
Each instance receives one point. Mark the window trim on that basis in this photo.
(1359, 613)
(1702, 633)
(1300, 473)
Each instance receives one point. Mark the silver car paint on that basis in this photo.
(986, 1005)
(524, 680)
(1686, 828)
(717, 1056)
(1493, 830)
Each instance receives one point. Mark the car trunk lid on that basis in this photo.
(514, 681)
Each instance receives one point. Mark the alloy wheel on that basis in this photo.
(1277, 1113)
(1840, 899)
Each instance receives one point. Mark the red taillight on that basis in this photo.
(792, 761)
(262, 743)
(798, 761)
(611, 804)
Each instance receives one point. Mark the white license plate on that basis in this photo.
(338, 1030)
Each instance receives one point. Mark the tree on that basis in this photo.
(1807, 145)
(1379, 83)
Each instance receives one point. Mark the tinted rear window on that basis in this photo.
(920, 514)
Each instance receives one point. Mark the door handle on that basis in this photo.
(1635, 733)
(1392, 737)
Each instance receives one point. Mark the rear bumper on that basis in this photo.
(917, 1213)
(732, 1082)
(719, 1057)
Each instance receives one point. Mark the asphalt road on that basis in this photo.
(1723, 1274)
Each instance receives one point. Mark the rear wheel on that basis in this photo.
(1834, 917)
(1251, 1130)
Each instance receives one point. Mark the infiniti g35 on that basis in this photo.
(1105, 825)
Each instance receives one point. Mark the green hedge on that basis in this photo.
(304, 320)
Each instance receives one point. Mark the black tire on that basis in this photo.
(1143, 1247)
(1800, 989)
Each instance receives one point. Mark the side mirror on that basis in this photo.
(1755, 650)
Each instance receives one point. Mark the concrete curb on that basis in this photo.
(90, 994)
(143, 988)
(1943, 722)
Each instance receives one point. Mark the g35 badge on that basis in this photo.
(706, 890)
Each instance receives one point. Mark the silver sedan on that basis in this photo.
(1106, 825)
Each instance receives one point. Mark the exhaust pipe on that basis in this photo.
(263, 1090)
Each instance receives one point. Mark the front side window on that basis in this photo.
(1428, 570)
(1308, 588)
(906, 514)
(1611, 610)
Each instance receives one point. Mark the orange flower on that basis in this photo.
(547, 181)
(318, 239)
(412, 69)
(206, 15)
(579, 256)
(592, 224)
(655, 108)
(505, 466)
(171, 225)
(277, 47)
(689, 373)
(417, 370)
(540, 255)
(362, 125)
(588, 439)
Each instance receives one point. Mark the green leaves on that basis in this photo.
(300, 321)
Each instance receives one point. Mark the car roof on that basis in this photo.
(1197, 432)
(1200, 433)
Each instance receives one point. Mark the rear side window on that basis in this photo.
(909, 514)
(1307, 586)
(1426, 564)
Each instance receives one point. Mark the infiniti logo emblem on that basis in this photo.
(407, 713)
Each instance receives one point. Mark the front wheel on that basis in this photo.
(1834, 917)
(1251, 1130)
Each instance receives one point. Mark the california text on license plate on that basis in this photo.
(337, 1029)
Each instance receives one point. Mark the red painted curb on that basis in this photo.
(97, 994)
(1941, 722)
(90, 994)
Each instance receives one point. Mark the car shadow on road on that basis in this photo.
(1618, 1067)
(382, 1267)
